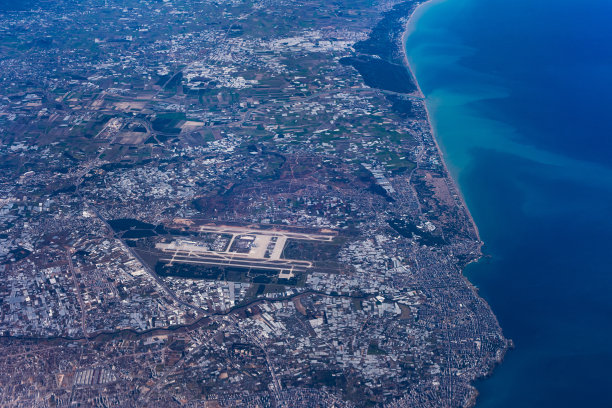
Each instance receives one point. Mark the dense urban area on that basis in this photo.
(228, 203)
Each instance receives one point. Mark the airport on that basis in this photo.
(247, 248)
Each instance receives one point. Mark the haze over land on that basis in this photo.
(228, 203)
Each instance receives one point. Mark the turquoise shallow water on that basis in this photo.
(520, 94)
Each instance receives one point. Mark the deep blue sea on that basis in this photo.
(15, 5)
(520, 93)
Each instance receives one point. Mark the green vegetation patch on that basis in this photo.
(374, 350)
(168, 122)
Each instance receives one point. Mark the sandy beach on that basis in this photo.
(407, 31)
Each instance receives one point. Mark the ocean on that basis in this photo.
(15, 5)
(520, 97)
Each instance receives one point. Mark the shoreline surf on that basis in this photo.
(408, 30)
(406, 33)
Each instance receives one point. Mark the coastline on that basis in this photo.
(408, 29)
(404, 37)
(448, 164)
